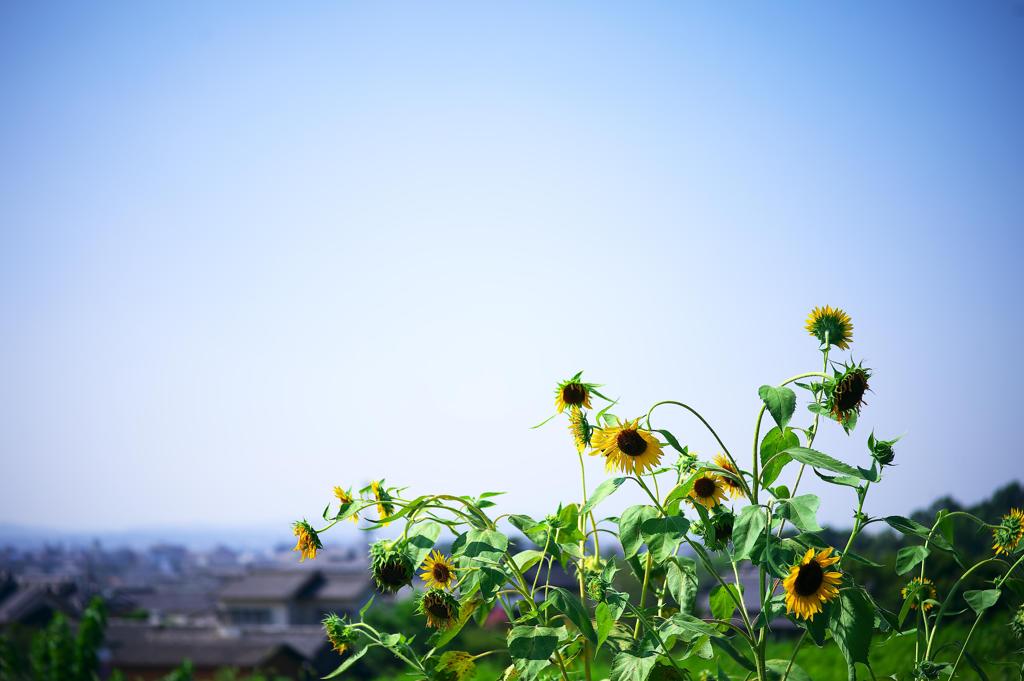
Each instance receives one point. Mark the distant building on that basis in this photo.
(145, 652)
(291, 597)
(34, 604)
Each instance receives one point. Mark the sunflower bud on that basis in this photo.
(597, 588)
(881, 450)
(339, 633)
(391, 569)
(1017, 623)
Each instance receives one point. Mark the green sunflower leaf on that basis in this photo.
(748, 531)
(681, 580)
(570, 605)
(629, 528)
(851, 622)
(802, 511)
(421, 541)
(980, 601)
(777, 669)
(663, 535)
(773, 460)
(912, 528)
(781, 402)
(481, 544)
(722, 601)
(603, 491)
(531, 648)
(632, 665)
(909, 557)
(605, 622)
(525, 560)
(349, 661)
(687, 627)
(672, 441)
(818, 459)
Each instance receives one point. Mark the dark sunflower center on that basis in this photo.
(441, 572)
(809, 579)
(850, 391)
(574, 394)
(393, 573)
(438, 609)
(631, 443)
(704, 487)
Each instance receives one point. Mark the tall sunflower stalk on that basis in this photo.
(636, 604)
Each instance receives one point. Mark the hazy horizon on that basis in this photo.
(249, 252)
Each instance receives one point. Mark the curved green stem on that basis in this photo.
(977, 619)
(706, 425)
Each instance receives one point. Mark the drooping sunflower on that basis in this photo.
(919, 590)
(1008, 533)
(384, 506)
(580, 428)
(440, 608)
(390, 568)
(307, 540)
(831, 325)
(732, 485)
(848, 388)
(573, 393)
(708, 490)
(716, 531)
(340, 635)
(345, 499)
(809, 586)
(438, 571)
(626, 447)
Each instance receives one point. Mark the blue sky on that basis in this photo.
(251, 251)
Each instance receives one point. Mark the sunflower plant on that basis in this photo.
(720, 516)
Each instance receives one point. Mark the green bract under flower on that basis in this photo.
(439, 607)
(391, 568)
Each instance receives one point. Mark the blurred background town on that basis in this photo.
(176, 611)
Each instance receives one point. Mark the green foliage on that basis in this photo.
(645, 623)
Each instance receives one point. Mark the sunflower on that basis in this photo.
(1008, 533)
(345, 498)
(440, 608)
(831, 325)
(384, 506)
(708, 490)
(919, 590)
(626, 447)
(308, 542)
(339, 633)
(438, 571)
(390, 568)
(808, 586)
(848, 390)
(580, 428)
(732, 484)
(573, 393)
